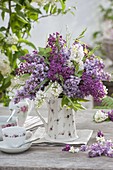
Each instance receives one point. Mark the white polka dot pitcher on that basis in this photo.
(61, 124)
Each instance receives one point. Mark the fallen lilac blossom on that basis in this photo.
(99, 148)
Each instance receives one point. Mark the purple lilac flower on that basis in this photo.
(96, 149)
(100, 134)
(65, 52)
(110, 115)
(66, 148)
(94, 68)
(84, 148)
(58, 68)
(91, 86)
(71, 87)
(56, 42)
(32, 85)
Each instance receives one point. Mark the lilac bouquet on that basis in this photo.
(71, 73)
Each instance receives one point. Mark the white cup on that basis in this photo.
(14, 136)
(4, 123)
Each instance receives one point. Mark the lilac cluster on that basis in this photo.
(29, 65)
(99, 148)
(92, 78)
(59, 69)
(91, 86)
(94, 68)
(60, 54)
(66, 148)
(55, 42)
(33, 84)
(71, 87)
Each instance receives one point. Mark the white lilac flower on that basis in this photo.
(100, 116)
(105, 90)
(81, 65)
(12, 39)
(77, 150)
(77, 52)
(4, 65)
(100, 139)
(55, 90)
(40, 97)
(74, 150)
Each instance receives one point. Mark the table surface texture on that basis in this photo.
(48, 157)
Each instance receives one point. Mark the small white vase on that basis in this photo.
(23, 109)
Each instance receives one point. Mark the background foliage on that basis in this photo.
(20, 16)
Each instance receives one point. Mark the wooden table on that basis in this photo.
(53, 158)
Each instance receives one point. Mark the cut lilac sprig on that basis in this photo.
(101, 147)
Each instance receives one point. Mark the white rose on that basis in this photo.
(100, 116)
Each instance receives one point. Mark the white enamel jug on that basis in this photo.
(61, 124)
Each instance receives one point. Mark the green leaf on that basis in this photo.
(96, 34)
(1, 77)
(81, 35)
(44, 51)
(32, 15)
(107, 102)
(14, 48)
(63, 5)
(93, 50)
(27, 43)
(1, 36)
(2, 29)
(72, 103)
(22, 19)
(6, 83)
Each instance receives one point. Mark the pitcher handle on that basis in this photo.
(42, 119)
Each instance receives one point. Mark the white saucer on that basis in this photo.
(47, 138)
(7, 149)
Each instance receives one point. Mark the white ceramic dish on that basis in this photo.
(7, 149)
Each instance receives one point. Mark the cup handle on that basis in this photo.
(29, 135)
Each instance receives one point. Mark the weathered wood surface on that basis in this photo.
(52, 158)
